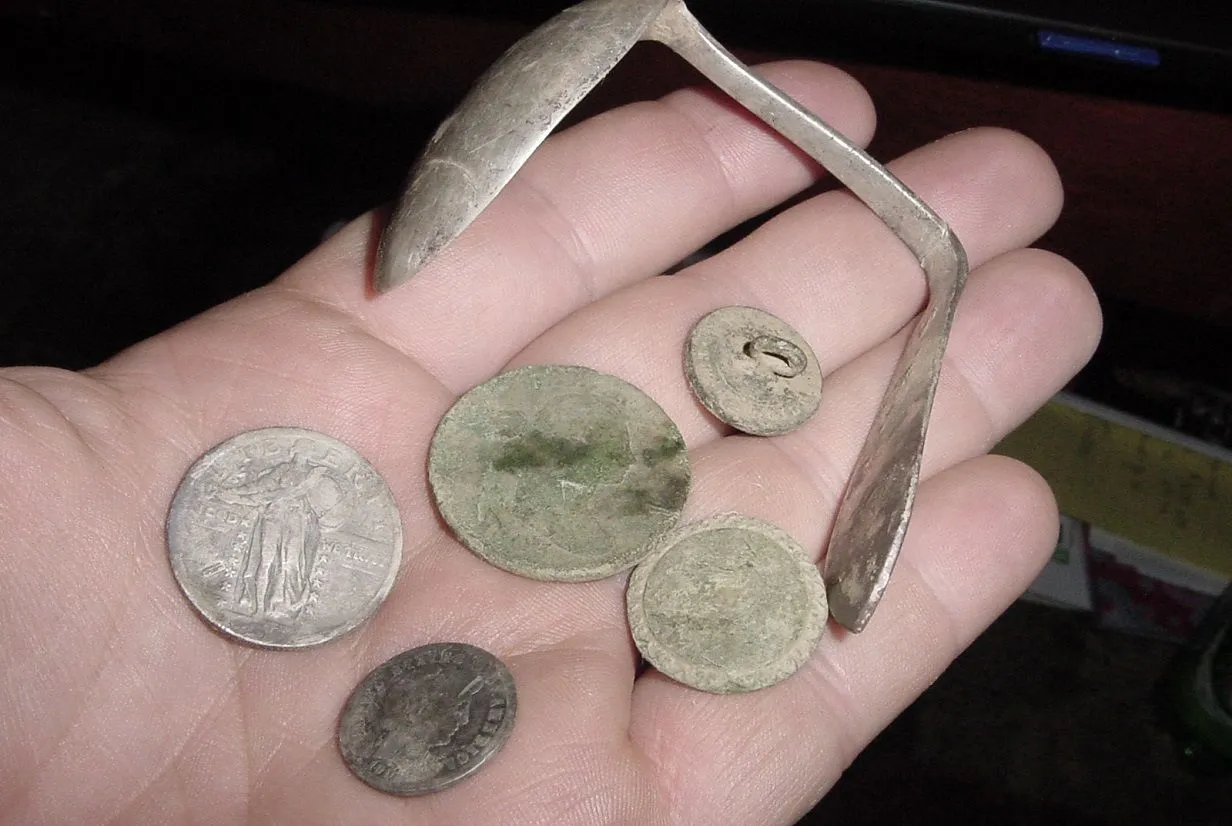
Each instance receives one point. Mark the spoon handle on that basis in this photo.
(872, 519)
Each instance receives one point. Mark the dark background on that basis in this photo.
(160, 160)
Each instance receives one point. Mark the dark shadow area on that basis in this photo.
(139, 191)
(1188, 56)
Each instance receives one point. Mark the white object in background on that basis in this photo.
(1157, 565)
(1065, 581)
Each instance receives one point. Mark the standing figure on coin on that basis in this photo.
(290, 499)
(284, 537)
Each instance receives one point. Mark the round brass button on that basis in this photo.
(753, 371)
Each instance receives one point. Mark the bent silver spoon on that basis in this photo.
(517, 103)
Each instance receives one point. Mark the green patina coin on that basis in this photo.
(558, 472)
(727, 605)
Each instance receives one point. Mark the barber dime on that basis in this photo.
(728, 604)
(427, 718)
(559, 473)
(284, 537)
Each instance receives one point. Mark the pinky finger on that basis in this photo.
(981, 532)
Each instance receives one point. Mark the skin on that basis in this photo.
(119, 705)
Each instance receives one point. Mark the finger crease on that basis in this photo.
(963, 387)
(570, 241)
(702, 131)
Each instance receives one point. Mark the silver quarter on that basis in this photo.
(284, 538)
(753, 371)
(558, 473)
(726, 605)
(427, 718)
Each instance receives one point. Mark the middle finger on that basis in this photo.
(828, 267)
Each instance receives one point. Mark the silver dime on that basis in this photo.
(427, 718)
(753, 371)
(558, 473)
(726, 605)
(284, 538)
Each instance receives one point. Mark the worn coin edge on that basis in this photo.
(207, 460)
(777, 327)
(503, 733)
(717, 680)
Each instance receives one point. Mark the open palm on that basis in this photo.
(118, 704)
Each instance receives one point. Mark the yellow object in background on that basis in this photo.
(1132, 478)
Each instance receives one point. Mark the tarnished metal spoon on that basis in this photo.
(517, 103)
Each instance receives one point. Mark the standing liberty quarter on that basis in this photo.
(427, 718)
(558, 473)
(752, 371)
(284, 538)
(727, 604)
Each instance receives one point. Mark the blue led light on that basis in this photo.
(1097, 47)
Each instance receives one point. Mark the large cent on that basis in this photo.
(558, 472)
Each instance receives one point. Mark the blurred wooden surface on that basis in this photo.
(1147, 185)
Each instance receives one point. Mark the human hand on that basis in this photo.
(121, 705)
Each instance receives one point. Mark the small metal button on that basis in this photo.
(752, 371)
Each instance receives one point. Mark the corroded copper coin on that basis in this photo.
(284, 538)
(752, 371)
(726, 605)
(558, 472)
(427, 718)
